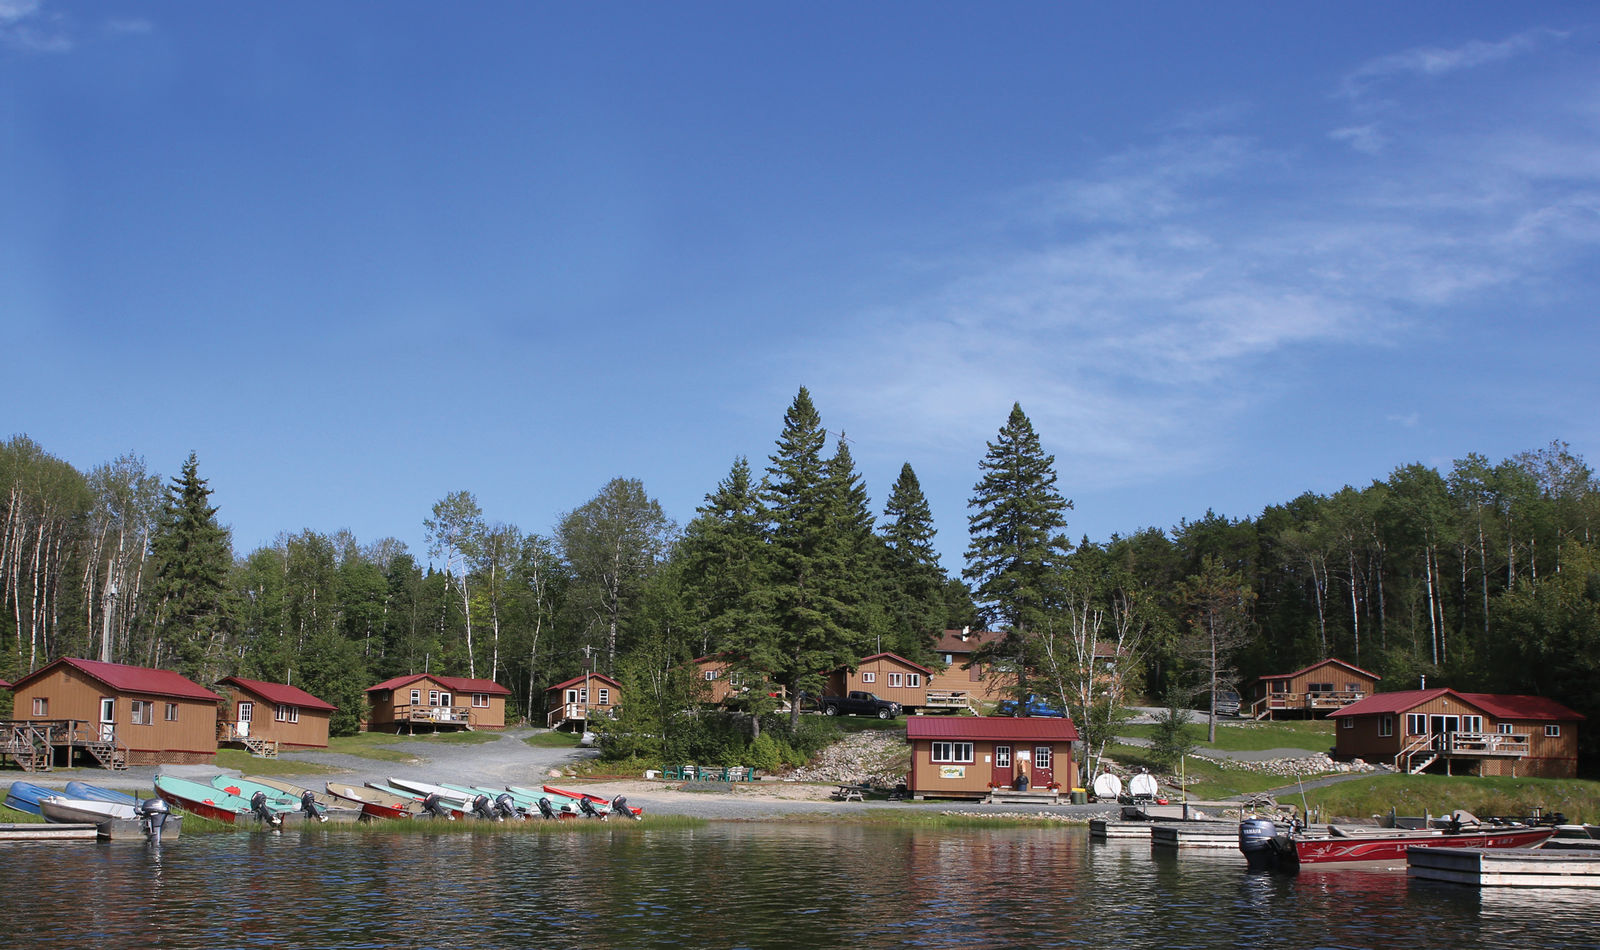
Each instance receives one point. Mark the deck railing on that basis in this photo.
(445, 714)
(578, 712)
(1483, 743)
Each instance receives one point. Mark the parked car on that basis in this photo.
(1035, 707)
(859, 703)
(1226, 703)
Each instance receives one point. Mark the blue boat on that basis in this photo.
(25, 796)
(94, 793)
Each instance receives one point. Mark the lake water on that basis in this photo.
(736, 885)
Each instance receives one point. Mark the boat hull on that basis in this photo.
(201, 800)
(1291, 852)
(373, 803)
(25, 796)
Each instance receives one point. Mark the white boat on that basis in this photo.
(114, 820)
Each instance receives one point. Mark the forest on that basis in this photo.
(1482, 577)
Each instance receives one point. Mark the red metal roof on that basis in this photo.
(898, 658)
(4, 685)
(953, 642)
(990, 727)
(460, 684)
(583, 676)
(130, 679)
(1495, 704)
(1307, 669)
(280, 693)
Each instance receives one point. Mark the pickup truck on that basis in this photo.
(1035, 707)
(858, 703)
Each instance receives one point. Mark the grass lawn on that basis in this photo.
(1207, 781)
(868, 723)
(553, 740)
(371, 745)
(242, 761)
(1315, 735)
(1577, 799)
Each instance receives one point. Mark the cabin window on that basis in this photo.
(605, 696)
(288, 713)
(1505, 728)
(445, 699)
(1002, 757)
(1416, 724)
(41, 705)
(949, 658)
(952, 752)
(736, 679)
(1386, 726)
(433, 697)
(709, 675)
(913, 679)
(480, 700)
(896, 679)
(1552, 731)
(1347, 723)
(172, 712)
(1471, 723)
(416, 697)
(869, 677)
(1041, 756)
(1352, 687)
(1319, 687)
(142, 713)
(583, 694)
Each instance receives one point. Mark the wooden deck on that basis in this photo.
(35, 744)
(47, 831)
(1505, 867)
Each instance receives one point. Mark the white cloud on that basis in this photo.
(24, 25)
(1363, 138)
(1432, 61)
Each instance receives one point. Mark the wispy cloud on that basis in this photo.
(24, 25)
(1431, 61)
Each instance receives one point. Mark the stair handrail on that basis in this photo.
(1402, 759)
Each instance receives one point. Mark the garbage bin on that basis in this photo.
(1080, 796)
(1021, 784)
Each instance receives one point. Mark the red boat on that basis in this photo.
(374, 804)
(1267, 845)
(635, 811)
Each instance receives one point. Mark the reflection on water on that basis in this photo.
(739, 885)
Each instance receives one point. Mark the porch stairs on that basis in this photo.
(1417, 767)
(20, 746)
(108, 754)
(261, 748)
(1417, 755)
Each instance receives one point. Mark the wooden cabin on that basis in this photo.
(1441, 730)
(955, 675)
(1312, 691)
(719, 678)
(897, 679)
(264, 717)
(576, 701)
(120, 715)
(968, 756)
(436, 702)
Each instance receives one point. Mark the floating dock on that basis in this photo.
(1195, 834)
(1505, 867)
(47, 832)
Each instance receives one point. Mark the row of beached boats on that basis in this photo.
(233, 799)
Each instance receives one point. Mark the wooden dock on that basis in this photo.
(1195, 834)
(1113, 828)
(46, 831)
(1505, 867)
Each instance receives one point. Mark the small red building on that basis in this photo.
(256, 713)
(439, 702)
(969, 756)
(1442, 730)
(1318, 689)
(582, 698)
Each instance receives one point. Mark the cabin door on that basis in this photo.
(1002, 773)
(1043, 766)
(108, 718)
(247, 712)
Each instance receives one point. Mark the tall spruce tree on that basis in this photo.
(726, 562)
(1017, 541)
(916, 582)
(192, 558)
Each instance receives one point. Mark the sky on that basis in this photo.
(360, 255)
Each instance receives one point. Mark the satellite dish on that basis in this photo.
(1144, 784)
(1107, 785)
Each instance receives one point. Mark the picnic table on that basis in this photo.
(851, 793)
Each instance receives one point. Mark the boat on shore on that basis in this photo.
(98, 793)
(25, 796)
(1268, 845)
(202, 800)
(373, 802)
(618, 804)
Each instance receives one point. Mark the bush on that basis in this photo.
(1171, 741)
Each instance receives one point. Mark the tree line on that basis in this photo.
(1480, 577)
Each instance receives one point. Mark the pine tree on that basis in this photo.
(1017, 543)
(192, 556)
(726, 562)
(916, 582)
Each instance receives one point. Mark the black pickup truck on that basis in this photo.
(858, 703)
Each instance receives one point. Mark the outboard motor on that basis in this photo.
(1258, 839)
(433, 807)
(619, 806)
(258, 805)
(589, 809)
(153, 814)
(310, 808)
(483, 809)
(506, 806)
(546, 809)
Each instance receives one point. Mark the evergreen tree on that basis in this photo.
(1017, 544)
(192, 558)
(726, 562)
(916, 596)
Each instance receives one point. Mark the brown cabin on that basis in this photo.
(969, 756)
(255, 713)
(719, 678)
(1441, 730)
(956, 676)
(436, 702)
(895, 678)
(576, 701)
(1315, 690)
(121, 715)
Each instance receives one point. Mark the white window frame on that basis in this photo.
(141, 712)
(913, 680)
(869, 677)
(416, 697)
(1043, 755)
(1416, 724)
(896, 680)
(1347, 722)
(1505, 729)
(1552, 731)
(287, 713)
(172, 712)
(1002, 757)
(433, 697)
(41, 705)
(1385, 726)
(952, 752)
(1471, 724)
(709, 675)
(604, 695)
(480, 700)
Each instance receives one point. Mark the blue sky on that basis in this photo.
(360, 255)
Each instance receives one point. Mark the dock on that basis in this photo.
(1505, 867)
(47, 832)
(1114, 828)
(1195, 834)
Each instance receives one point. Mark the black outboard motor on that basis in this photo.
(506, 806)
(546, 809)
(589, 809)
(310, 808)
(433, 807)
(1258, 839)
(619, 806)
(153, 814)
(482, 808)
(258, 805)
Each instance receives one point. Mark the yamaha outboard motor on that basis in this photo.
(433, 807)
(619, 806)
(310, 808)
(483, 809)
(153, 816)
(588, 809)
(1258, 839)
(546, 809)
(258, 805)
(506, 807)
